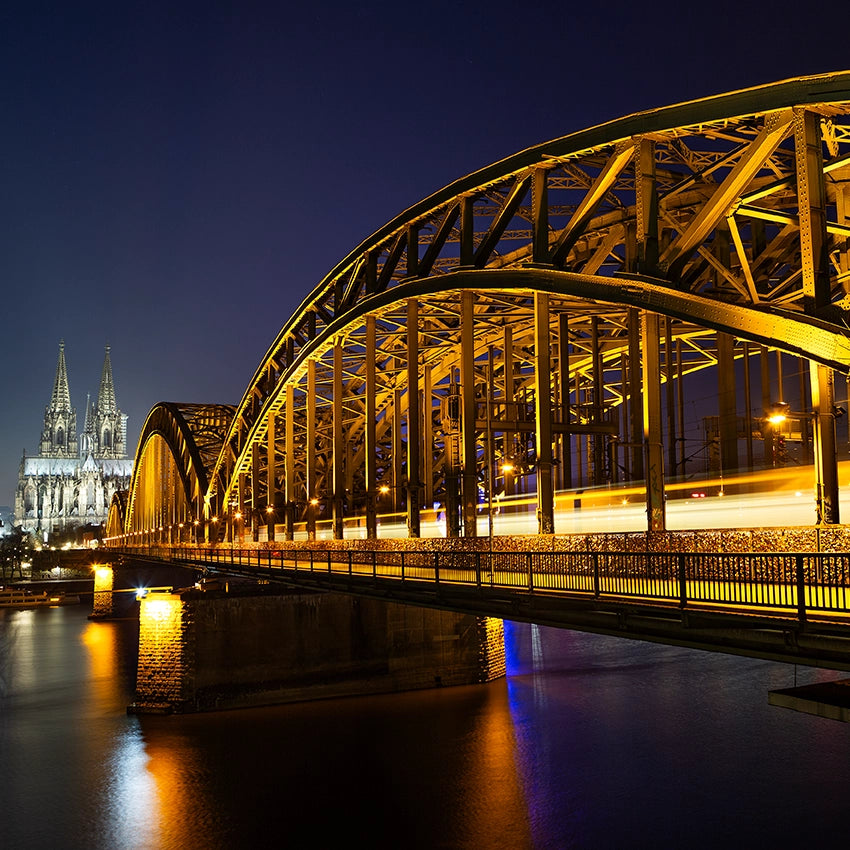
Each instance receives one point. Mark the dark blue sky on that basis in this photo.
(177, 177)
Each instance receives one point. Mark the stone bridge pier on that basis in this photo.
(230, 646)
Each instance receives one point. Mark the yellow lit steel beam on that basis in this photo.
(811, 202)
(742, 258)
(619, 159)
(776, 127)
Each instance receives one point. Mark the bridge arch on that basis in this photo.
(546, 309)
(177, 449)
(116, 518)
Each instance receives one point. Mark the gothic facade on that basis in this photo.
(72, 480)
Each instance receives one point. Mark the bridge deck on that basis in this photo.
(786, 606)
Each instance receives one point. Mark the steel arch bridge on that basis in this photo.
(532, 326)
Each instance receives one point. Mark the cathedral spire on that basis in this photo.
(61, 398)
(59, 437)
(106, 403)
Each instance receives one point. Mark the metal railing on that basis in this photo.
(795, 583)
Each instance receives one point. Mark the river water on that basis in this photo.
(590, 742)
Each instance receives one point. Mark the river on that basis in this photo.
(590, 742)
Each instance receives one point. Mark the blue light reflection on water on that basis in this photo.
(624, 743)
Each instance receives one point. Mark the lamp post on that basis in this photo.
(777, 415)
(311, 518)
(383, 490)
(269, 523)
(825, 463)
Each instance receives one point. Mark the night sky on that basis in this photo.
(177, 177)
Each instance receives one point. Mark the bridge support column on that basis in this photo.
(655, 509)
(510, 411)
(635, 401)
(728, 414)
(413, 419)
(467, 380)
(370, 436)
(397, 494)
(243, 517)
(452, 423)
(256, 511)
(271, 481)
(748, 404)
(826, 465)
(338, 446)
(289, 462)
(310, 450)
(543, 415)
(670, 374)
(600, 475)
(769, 437)
(427, 437)
(566, 440)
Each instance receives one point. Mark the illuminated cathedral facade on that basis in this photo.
(70, 483)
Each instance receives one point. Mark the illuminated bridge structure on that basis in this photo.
(535, 327)
(533, 333)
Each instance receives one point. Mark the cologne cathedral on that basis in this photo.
(70, 483)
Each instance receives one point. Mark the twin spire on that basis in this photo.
(105, 430)
(61, 398)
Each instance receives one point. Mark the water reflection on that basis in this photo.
(132, 810)
(423, 769)
(623, 743)
(590, 742)
(127, 792)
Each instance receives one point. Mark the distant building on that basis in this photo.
(72, 480)
(6, 520)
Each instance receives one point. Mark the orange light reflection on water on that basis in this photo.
(128, 796)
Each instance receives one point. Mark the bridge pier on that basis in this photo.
(116, 584)
(230, 648)
(104, 580)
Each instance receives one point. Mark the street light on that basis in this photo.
(236, 527)
(825, 465)
(778, 412)
(311, 518)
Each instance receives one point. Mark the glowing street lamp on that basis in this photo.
(778, 413)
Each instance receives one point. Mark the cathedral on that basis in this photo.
(71, 481)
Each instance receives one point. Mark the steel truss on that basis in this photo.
(537, 316)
